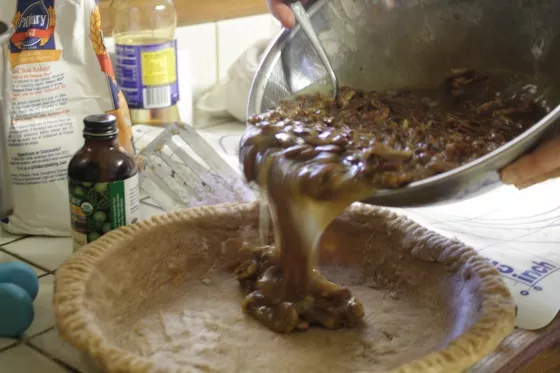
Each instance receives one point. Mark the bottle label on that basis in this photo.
(97, 208)
(147, 74)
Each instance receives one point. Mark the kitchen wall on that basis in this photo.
(215, 46)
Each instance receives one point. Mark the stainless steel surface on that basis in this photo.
(179, 169)
(305, 24)
(6, 205)
(382, 44)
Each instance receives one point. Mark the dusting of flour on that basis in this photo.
(202, 329)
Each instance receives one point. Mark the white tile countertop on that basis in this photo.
(40, 350)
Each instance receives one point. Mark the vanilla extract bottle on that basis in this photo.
(103, 183)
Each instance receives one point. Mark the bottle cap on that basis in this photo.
(100, 125)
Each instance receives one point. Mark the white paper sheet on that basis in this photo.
(517, 230)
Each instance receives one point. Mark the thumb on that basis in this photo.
(282, 12)
(539, 179)
(541, 161)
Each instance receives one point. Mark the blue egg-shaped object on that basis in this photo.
(20, 274)
(16, 310)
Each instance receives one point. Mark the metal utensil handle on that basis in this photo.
(305, 23)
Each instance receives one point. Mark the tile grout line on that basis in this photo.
(16, 343)
(63, 364)
(49, 271)
(24, 340)
(14, 240)
(217, 53)
(39, 334)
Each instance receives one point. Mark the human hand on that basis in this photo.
(282, 12)
(540, 165)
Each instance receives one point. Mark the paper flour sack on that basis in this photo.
(59, 72)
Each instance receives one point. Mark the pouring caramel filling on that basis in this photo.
(313, 156)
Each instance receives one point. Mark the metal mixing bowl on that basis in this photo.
(396, 44)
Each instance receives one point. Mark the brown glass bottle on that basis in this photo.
(102, 181)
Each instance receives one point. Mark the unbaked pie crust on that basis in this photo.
(158, 296)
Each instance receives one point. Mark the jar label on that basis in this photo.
(148, 75)
(97, 208)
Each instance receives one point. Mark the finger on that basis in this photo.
(539, 179)
(541, 161)
(282, 12)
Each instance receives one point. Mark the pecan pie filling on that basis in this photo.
(313, 156)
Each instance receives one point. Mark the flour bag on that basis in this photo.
(59, 72)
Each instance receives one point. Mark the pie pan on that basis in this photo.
(159, 296)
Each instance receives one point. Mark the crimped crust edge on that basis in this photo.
(496, 318)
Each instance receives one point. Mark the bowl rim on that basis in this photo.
(76, 323)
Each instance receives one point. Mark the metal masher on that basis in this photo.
(179, 169)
